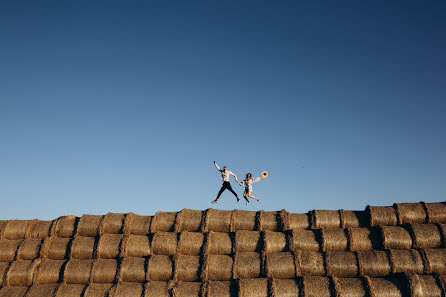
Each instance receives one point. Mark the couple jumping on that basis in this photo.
(248, 181)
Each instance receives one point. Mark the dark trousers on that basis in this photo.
(226, 185)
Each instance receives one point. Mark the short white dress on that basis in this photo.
(248, 183)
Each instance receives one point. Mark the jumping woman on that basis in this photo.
(248, 181)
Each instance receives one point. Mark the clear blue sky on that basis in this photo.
(122, 106)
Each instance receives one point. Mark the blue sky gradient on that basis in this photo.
(122, 106)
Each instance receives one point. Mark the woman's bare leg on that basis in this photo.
(251, 196)
(244, 196)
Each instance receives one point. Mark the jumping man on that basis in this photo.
(225, 173)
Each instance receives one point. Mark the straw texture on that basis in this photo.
(244, 220)
(307, 240)
(386, 251)
(89, 225)
(382, 215)
(248, 241)
(396, 238)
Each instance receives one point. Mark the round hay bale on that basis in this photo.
(217, 268)
(164, 243)
(128, 290)
(351, 287)
(77, 271)
(280, 265)
(244, 220)
(109, 246)
(299, 221)
(311, 263)
(248, 265)
(221, 289)
(436, 260)
(218, 220)
(191, 243)
(436, 212)
(334, 239)
(160, 268)
(275, 241)
(9, 249)
(394, 286)
(271, 221)
(163, 222)
(133, 270)
(421, 286)
(353, 219)
(253, 287)
(21, 272)
(326, 219)
(97, 290)
(4, 267)
(136, 224)
(65, 226)
(112, 223)
(189, 220)
(284, 219)
(3, 224)
(89, 225)
(248, 241)
(342, 264)
(56, 248)
(364, 239)
(40, 229)
(186, 289)
(285, 288)
(83, 247)
(381, 215)
(187, 268)
(42, 290)
(29, 249)
(374, 263)
(104, 271)
(410, 213)
(218, 243)
(426, 236)
(13, 291)
(395, 237)
(135, 246)
(408, 261)
(157, 288)
(16, 229)
(49, 272)
(70, 290)
(317, 286)
(306, 240)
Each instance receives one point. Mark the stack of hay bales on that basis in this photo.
(382, 251)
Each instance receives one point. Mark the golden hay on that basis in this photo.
(164, 243)
(163, 222)
(135, 246)
(109, 246)
(83, 247)
(248, 241)
(104, 271)
(21, 273)
(89, 225)
(112, 223)
(275, 241)
(191, 243)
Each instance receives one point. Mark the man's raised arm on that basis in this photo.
(216, 166)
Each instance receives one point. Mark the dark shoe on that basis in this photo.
(238, 199)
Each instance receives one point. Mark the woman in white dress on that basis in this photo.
(248, 181)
